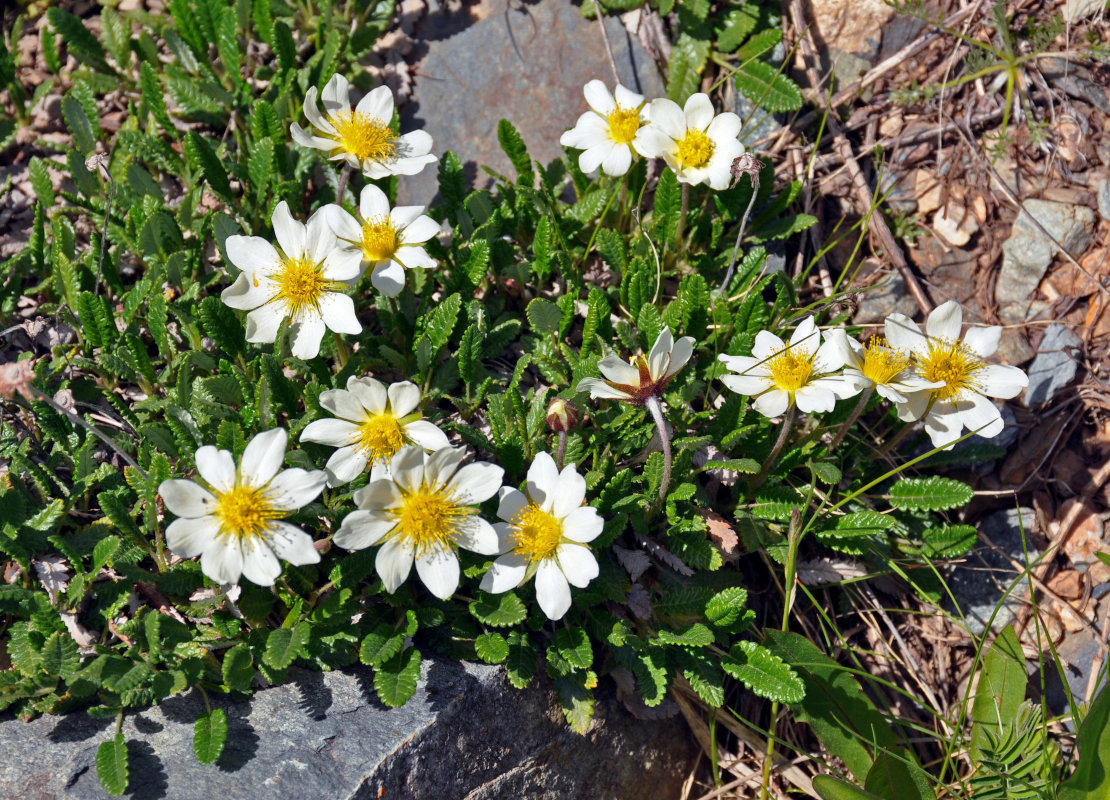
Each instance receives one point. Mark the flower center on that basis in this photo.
(243, 512)
(695, 149)
(535, 533)
(380, 437)
(300, 284)
(624, 123)
(379, 239)
(791, 368)
(363, 136)
(952, 363)
(429, 521)
(882, 363)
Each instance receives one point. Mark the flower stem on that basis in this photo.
(342, 352)
(561, 452)
(680, 228)
(860, 406)
(739, 236)
(652, 405)
(784, 430)
(344, 176)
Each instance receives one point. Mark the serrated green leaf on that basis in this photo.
(513, 145)
(260, 166)
(238, 668)
(380, 645)
(441, 322)
(697, 635)
(833, 788)
(202, 154)
(111, 765)
(79, 40)
(688, 58)
(1091, 779)
(949, 541)
(725, 607)
(491, 647)
(544, 316)
(767, 87)
(395, 680)
(737, 25)
(284, 645)
(210, 735)
(1001, 689)
(498, 610)
(40, 181)
(930, 494)
(573, 645)
(59, 655)
(84, 137)
(763, 672)
(520, 664)
(896, 775)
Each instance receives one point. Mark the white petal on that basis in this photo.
(552, 589)
(766, 345)
(342, 222)
(984, 341)
(393, 564)
(914, 406)
(439, 570)
(569, 492)
(296, 488)
(806, 335)
(945, 321)
(291, 544)
(698, 111)
(902, 333)
(389, 279)
(188, 537)
(504, 574)
(583, 524)
(617, 370)
(263, 457)
(313, 113)
(377, 104)
(680, 354)
(943, 425)
(724, 129)
(477, 535)
(306, 139)
(980, 415)
(363, 528)
(841, 386)
(217, 467)
(336, 95)
(260, 565)
(250, 253)
(812, 398)
(426, 435)
(997, 380)
(599, 390)
(598, 97)
(652, 142)
(476, 482)
(578, 564)
(660, 354)
(187, 499)
(344, 403)
(404, 397)
(263, 322)
(338, 312)
(440, 465)
(543, 477)
(626, 98)
(618, 161)
(345, 464)
(407, 466)
(222, 561)
(838, 350)
(248, 292)
(510, 503)
(380, 493)
(292, 235)
(373, 203)
(772, 403)
(370, 392)
(668, 118)
(319, 238)
(410, 256)
(751, 385)
(305, 335)
(593, 157)
(419, 230)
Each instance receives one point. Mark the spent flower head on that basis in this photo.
(233, 520)
(963, 380)
(423, 511)
(609, 132)
(644, 376)
(545, 533)
(388, 240)
(698, 145)
(362, 137)
(372, 423)
(300, 280)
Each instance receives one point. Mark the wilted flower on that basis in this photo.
(778, 375)
(609, 131)
(373, 424)
(233, 521)
(644, 377)
(423, 511)
(301, 282)
(698, 145)
(388, 240)
(545, 533)
(362, 137)
(965, 380)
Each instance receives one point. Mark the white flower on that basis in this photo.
(886, 368)
(697, 145)
(234, 524)
(644, 377)
(778, 375)
(374, 423)
(363, 137)
(941, 356)
(545, 533)
(608, 132)
(424, 511)
(389, 240)
(301, 281)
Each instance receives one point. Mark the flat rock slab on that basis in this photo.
(465, 734)
(1055, 364)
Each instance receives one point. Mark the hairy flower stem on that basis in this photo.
(739, 236)
(344, 176)
(561, 451)
(784, 430)
(104, 233)
(848, 423)
(342, 352)
(652, 405)
(680, 228)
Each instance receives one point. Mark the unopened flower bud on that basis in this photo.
(561, 415)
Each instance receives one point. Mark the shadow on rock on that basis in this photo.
(242, 741)
(316, 697)
(448, 682)
(148, 775)
(77, 728)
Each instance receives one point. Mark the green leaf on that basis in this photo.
(222, 324)
(77, 120)
(1091, 779)
(210, 735)
(40, 181)
(260, 166)
(725, 607)
(200, 152)
(59, 655)
(513, 145)
(760, 44)
(768, 88)
(491, 647)
(284, 645)
(79, 39)
(697, 635)
(544, 316)
(826, 472)
(520, 665)
(395, 680)
(897, 776)
(573, 645)
(737, 24)
(688, 58)
(930, 494)
(380, 645)
(763, 672)
(668, 205)
(577, 702)
(833, 788)
(498, 610)
(1001, 689)
(111, 765)
(441, 322)
(949, 541)
(238, 668)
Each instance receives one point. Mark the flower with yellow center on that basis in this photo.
(887, 369)
(800, 373)
(371, 424)
(645, 376)
(697, 144)
(302, 280)
(422, 512)
(234, 521)
(362, 137)
(545, 532)
(961, 382)
(388, 240)
(609, 132)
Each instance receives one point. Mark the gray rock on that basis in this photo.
(526, 63)
(465, 734)
(880, 301)
(1103, 195)
(1028, 252)
(979, 583)
(1077, 654)
(1055, 364)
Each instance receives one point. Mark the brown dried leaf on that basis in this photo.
(721, 532)
(16, 376)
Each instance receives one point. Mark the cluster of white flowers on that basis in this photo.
(696, 143)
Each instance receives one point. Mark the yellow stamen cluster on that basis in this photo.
(624, 123)
(365, 137)
(535, 533)
(952, 363)
(695, 150)
(881, 362)
(380, 437)
(300, 285)
(429, 520)
(244, 512)
(791, 368)
(379, 239)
